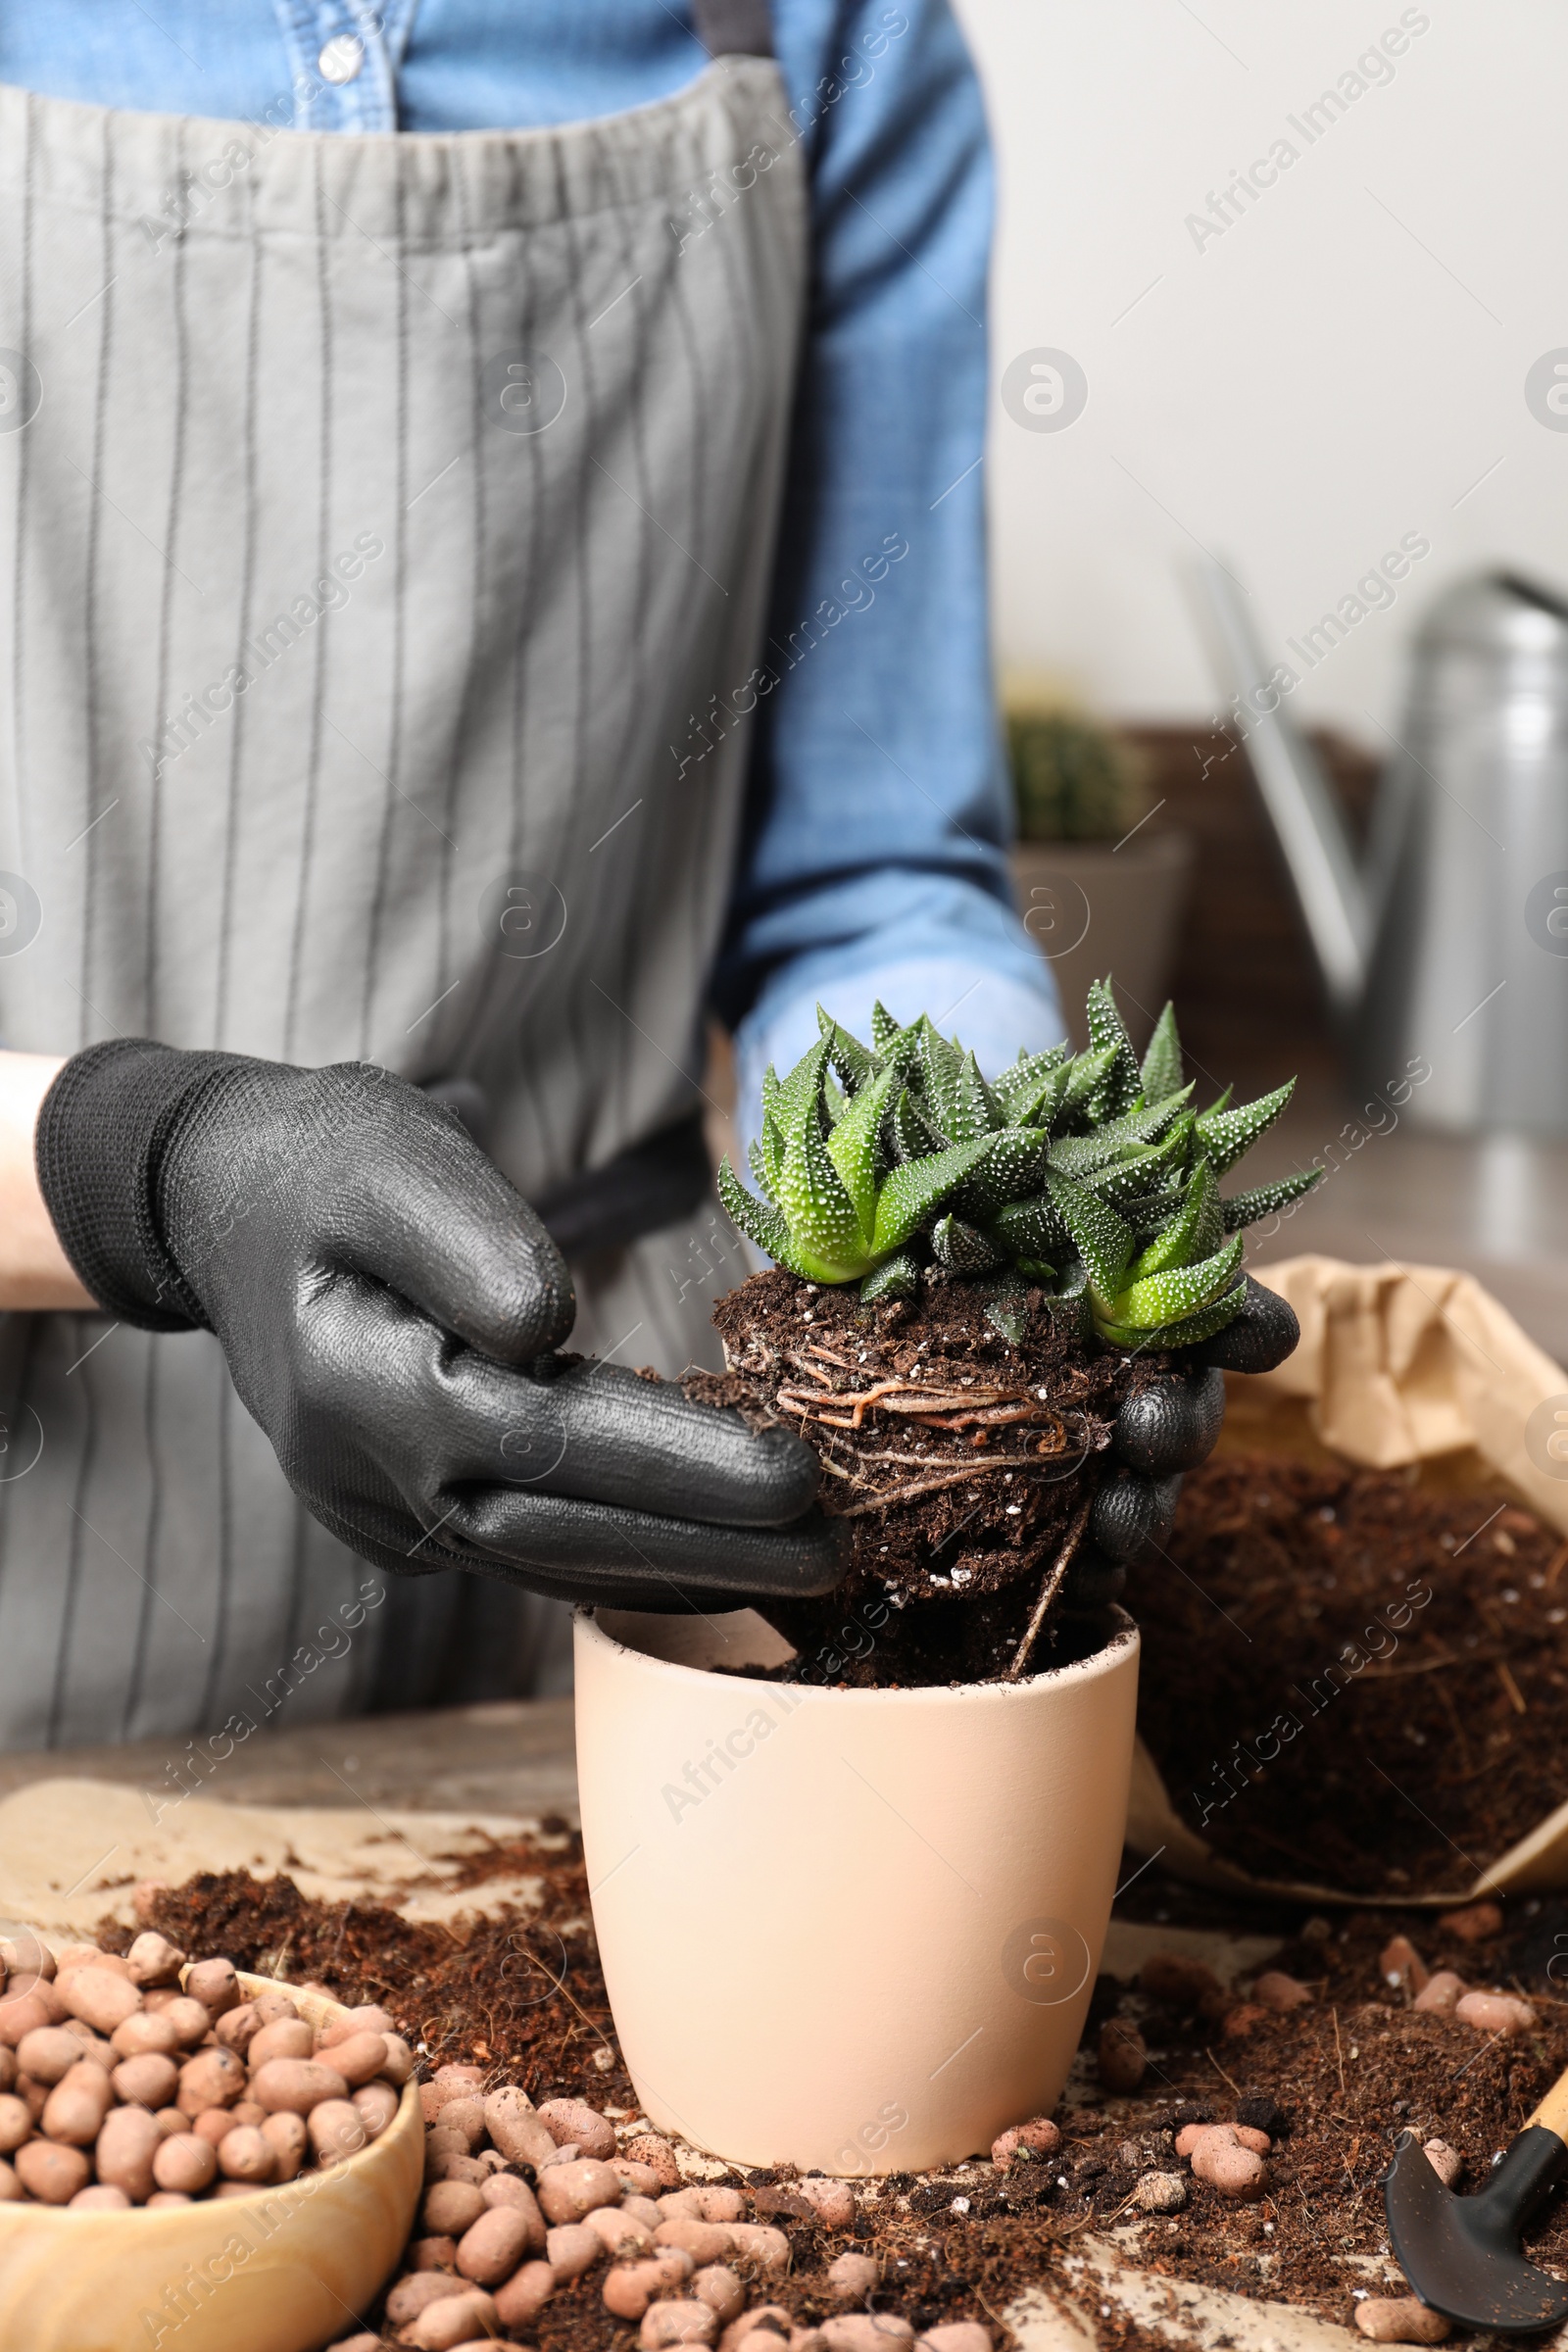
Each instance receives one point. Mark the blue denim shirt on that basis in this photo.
(874, 857)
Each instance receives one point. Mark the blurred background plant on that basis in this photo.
(1073, 777)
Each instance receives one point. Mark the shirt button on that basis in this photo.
(341, 58)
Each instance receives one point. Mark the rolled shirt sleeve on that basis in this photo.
(875, 859)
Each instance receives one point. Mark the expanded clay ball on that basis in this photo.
(118, 2088)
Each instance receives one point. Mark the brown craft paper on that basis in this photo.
(1397, 1367)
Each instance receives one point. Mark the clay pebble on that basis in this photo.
(571, 2249)
(1277, 1992)
(524, 2295)
(1037, 2137)
(677, 2321)
(1121, 2057)
(1495, 2013)
(853, 2276)
(569, 2192)
(1473, 1922)
(572, 2121)
(866, 2332)
(493, 2246)
(648, 2148)
(463, 2319)
(1400, 2320)
(1441, 1992)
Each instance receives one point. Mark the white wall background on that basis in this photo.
(1344, 364)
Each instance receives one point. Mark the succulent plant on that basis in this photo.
(1089, 1175)
(1072, 779)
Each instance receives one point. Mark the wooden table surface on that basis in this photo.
(510, 1756)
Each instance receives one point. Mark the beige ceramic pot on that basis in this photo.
(849, 1930)
(283, 2270)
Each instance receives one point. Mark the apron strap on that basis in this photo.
(648, 1185)
(734, 27)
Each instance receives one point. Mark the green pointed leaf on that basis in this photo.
(1012, 1166)
(914, 1195)
(1101, 1240)
(1185, 1334)
(834, 1101)
(765, 1153)
(1007, 1309)
(800, 1090)
(1225, 1135)
(884, 1028)
(1022, 1076)
(1151, 1213)
(963, 1248)
(898, 1277)
(1177, 1293)
(1079, 1154)
(757, 1219)
(941, 1071)
(1128, 1179)
(1211, 1230)
(824, 1228)
(978, 1112)
(1086, 1074)
(1244, 1209)
(852, 1061)
(1038, 1103)
(1123, 1082)
(1181, 1244)
(855, 1146)
(1031, 1229)
(1161, 1071)
(908, 1134)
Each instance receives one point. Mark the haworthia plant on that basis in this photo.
(1088, 1174)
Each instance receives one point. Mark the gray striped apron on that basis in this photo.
(375, 513)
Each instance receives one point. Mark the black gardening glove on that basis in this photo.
(387, 1303)
(1167, 1428)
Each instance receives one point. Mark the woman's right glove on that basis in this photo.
(389, 1307)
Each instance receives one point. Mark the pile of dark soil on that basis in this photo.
(962, 1456)
(1351, 1683)
(521, 1992)
(1345, 2073)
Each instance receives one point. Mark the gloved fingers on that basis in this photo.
(1261, 1337)
(651, 1598)
(430, 1216)
(589, 1430)
(644, 1444)
(1173, 1424)
(595, 1553)
(1130, 1512)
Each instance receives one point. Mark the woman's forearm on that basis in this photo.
(35, 1271)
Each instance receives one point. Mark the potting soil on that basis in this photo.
(1351, 1683)
(961, 1456)
(1337, 2080)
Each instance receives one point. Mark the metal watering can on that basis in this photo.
(1447, 944)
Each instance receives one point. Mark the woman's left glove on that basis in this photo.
(1168, 1428)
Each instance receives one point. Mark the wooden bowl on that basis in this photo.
(283, 2270)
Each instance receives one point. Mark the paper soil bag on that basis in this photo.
(1398, 1366)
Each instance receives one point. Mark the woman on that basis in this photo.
(494, 570)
